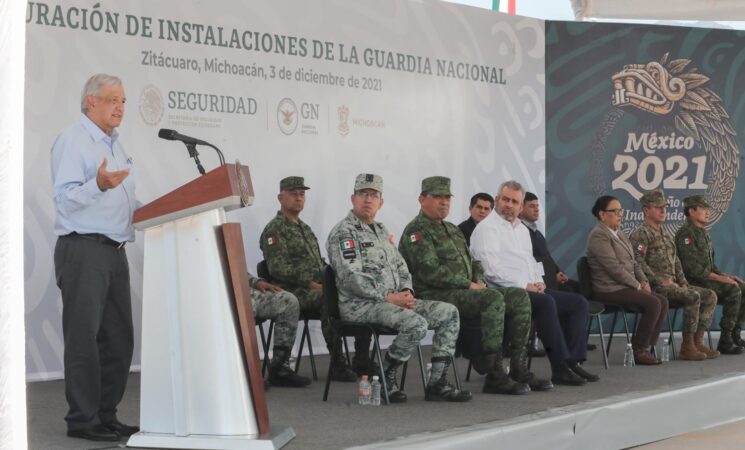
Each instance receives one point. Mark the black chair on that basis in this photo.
(585, 281)
(262, 270)
(346, 328)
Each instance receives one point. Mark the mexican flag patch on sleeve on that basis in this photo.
(641, 249)
(347, 244)
(688, 241)
(414, 237)
(271, 240)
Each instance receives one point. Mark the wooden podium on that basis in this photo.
(201, 384)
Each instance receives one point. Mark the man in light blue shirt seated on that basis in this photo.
(94, 198)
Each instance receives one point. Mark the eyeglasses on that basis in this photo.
(616, 211)
(375, 195)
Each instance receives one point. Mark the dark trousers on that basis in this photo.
(561, 323)
(97, 327)
(653, 311)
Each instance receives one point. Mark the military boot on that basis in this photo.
(737, 338)
(340, 371)
(438, 388)
(688, 350)
(698, 340)
(395, 395)
(726, 345)
(280, 373)
(519, 372)
(497, 381)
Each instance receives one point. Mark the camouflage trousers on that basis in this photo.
(698, 304)
(312, 304)
(730, 296)
(499, 311)
(283, 308)
(411, 324)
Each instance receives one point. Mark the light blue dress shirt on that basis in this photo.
(80, 205)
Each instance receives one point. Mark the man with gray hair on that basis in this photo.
(375, 287)
(505, 250)
(94, 198)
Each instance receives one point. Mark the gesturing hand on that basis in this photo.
(108, 180)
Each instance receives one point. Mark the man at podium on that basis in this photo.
(94, 199)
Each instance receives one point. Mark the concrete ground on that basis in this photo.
(341, 422)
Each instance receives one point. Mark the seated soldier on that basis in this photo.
(375, 287)
(656, 254)
(270, 302)
(697, 258)
(294, 261)
(443, 269)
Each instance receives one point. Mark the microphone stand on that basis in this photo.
(220, 156)
(194, 154)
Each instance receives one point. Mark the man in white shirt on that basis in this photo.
(503, 246)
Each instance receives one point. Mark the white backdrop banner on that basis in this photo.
(321, 89)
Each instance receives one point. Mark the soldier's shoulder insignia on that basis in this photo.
(414, 237)
(641, 249)
(688, 240)
(346, 244)
(272, 240)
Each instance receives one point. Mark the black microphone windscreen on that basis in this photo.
(165, 133)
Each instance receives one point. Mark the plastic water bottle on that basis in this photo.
(364, 391)
(628, 357)
(375, 397)
(428, 371)
(665, 351)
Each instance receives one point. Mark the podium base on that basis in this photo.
(277, 439)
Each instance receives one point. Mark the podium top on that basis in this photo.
(228, 186)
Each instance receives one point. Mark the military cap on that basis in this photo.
(368, 181)
(436, 186)
(289, 183)
(653, 198)
(694, 201)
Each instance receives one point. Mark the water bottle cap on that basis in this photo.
(375, 378)
(364, 377)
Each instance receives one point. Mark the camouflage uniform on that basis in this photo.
(282, 307)
(656, 254)
(368, 268)
(442, 268)
(294, 260)
(697, 258)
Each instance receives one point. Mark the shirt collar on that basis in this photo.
(96, 133)
(504, 222)
(531, 225)
(612, 231)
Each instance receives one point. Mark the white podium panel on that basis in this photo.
(194, 389)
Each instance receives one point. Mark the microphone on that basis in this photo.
(191, 145)
(173, 135)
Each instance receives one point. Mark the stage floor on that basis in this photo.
(341, 423)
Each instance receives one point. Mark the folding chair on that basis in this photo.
(346, 328)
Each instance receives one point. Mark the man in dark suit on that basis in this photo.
(529, 215)
(481, 205)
